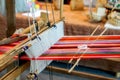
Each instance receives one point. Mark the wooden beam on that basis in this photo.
(14, 73)
(80, 74)
(7, 56)
(10, 15)
(7, 64)
(61, 8)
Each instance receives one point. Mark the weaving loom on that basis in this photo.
(39, 47)
(67, 48)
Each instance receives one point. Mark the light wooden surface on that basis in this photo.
(14, 73)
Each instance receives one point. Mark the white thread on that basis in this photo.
(48, 38)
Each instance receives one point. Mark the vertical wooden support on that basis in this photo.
(15, 72)
(61, 8)
(10, 15)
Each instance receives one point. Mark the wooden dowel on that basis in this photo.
(80, 74)
(61, 8)
(15, 72)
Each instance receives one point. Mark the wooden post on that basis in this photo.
(10, 15)
(61, 8)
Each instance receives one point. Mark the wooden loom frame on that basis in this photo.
(8, 56)
(26, 41)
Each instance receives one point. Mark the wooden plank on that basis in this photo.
(7, 64)
(10, 15)
(15, 72)
(80, 74)
(61, 8)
